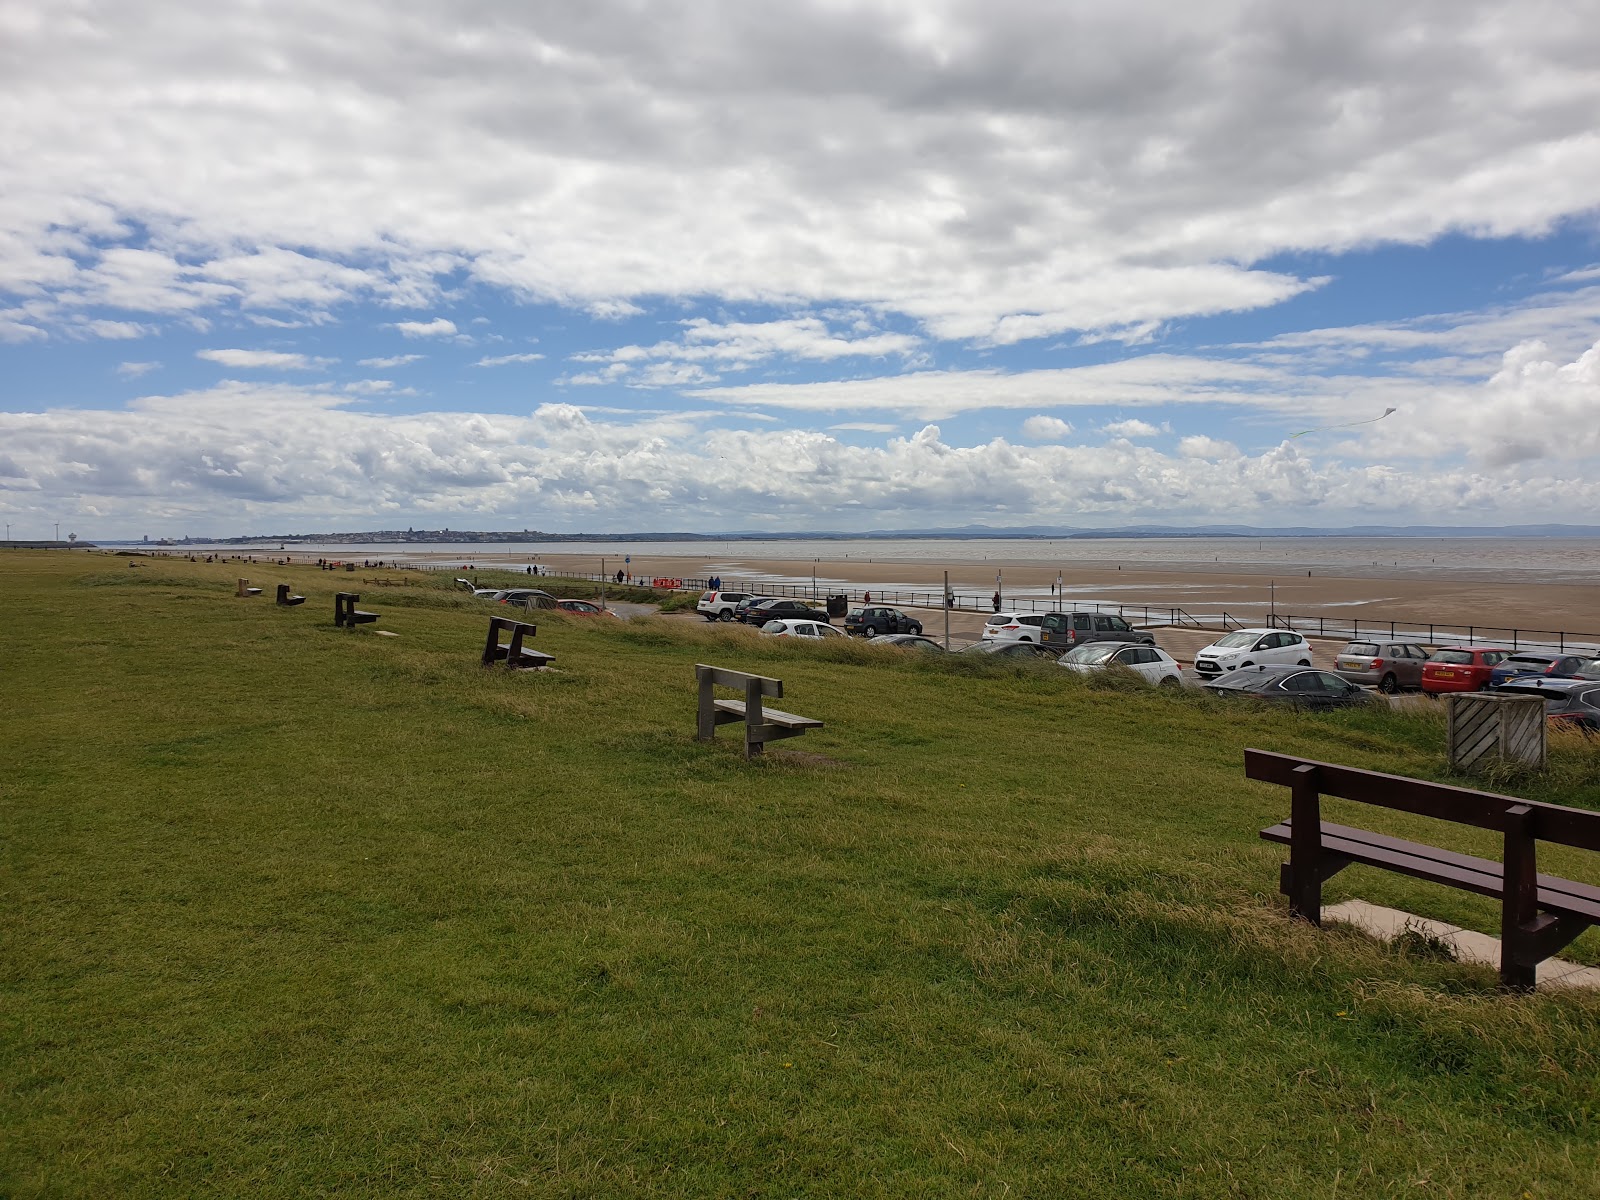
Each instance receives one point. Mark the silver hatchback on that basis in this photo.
(1387, 666)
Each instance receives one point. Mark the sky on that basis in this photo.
(689, 265)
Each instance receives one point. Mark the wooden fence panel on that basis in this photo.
(1481, 726)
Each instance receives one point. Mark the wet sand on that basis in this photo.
(1410, 595)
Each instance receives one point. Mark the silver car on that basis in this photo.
(1387, 666)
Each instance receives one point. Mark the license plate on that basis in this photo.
(1444, 674)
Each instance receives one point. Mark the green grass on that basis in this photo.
(289, 910)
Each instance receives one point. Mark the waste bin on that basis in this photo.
(838, 606)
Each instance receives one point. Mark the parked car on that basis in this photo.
(1064, 630)
(873, 620)
(747, 604)
(1251, 648)
(1302, 687)
(468, 585)
(1550, 663)
(1573, 703)
(909, 641)
(1387, 666)
(719, 606)
(584, 608)
(1154, 665)
(525, 598)
(1460, 668)
(770, 610)
(1014, 627)
(1019, 649)
(789, 627)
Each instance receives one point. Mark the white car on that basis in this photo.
(1153, 664)
(1012, 627)
(1251, 648)
(790, 627)
(719, 606)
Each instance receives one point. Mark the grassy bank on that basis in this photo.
(295, 910)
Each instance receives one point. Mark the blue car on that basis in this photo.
(1547, 664)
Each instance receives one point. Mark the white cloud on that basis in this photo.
(274, 360)
(438, 327)
(866, 426)
(116, 330)
(1131, 428)
(132, 370)
(240, 454)
(395, 360)
(993, 172)
(1045, 429)
(503, 359)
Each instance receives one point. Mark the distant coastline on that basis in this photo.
(423, 537)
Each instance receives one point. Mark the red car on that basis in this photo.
(1461, 668)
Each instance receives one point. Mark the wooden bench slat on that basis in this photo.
(1481, 875)
(771, 716)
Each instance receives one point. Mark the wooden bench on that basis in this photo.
(386, 582)
(285, 599)
(1539, 914)
(246, 590)
(347, 614)
(515, 656)
(761, 724)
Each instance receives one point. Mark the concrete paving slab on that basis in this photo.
(1468, 944)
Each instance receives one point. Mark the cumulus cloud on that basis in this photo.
(275, 360)
(239, 453)
(1131, 428)
(1045, 429)
(438, 327)
(116, 330)
(132, 370)
(394, 360)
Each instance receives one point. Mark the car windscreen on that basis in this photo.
(1094, 652)
(1463, 657)
(1368, 648)
(1236, 640)
(1529, 660)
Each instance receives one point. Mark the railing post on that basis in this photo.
(1305, 846)
(1519, 904)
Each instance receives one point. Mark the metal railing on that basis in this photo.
(1349, 628)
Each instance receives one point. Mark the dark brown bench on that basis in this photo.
(514, 654)
(285, 599)
(347, 614)
(761, 724)
(1539, 914)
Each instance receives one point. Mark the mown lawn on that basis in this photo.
(289, 910)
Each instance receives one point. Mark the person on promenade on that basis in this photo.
(997, 601)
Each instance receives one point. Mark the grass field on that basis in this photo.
(291, 910)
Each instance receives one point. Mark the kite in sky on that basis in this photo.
(1346, 425)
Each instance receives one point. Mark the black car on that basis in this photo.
(1572, 703)
(1303, 687)
(747, 604)
(780, 610)
(873, 620)
(1023, 650)
(1066, 630)
(908, 641)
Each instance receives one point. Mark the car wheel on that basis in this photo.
(727, 615)
(871, 631)
(1388, 685)
(1243, 665)
(1021, 639)
(917, 629)
(1171, 681)
(1305, 662)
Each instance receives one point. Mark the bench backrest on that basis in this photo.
(1465, 806)
(722, 677)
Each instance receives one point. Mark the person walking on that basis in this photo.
(997, 601)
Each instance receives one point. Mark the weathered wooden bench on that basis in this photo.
(285, 599)
(1539, 914)
(246, 590)
(514, 654)
(347, 614)
(384, 581)
(761, 724)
